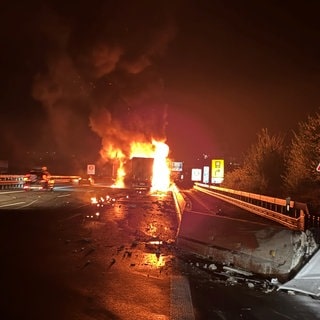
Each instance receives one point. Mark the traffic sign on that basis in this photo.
(318, 167)
(91, 169)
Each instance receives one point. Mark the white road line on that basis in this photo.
(64, 195)
(29, 204)
(7, 192)
(11, 204)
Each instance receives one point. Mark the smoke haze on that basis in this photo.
(100, 75)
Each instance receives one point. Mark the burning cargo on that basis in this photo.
(141, 172)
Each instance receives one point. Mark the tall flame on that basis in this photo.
(159, 151)
(118, 158)
(161, 171)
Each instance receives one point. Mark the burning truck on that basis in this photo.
(141, 173)
(147, 167)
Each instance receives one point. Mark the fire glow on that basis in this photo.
(158, 150)
(161, 172)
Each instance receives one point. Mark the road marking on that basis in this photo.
(181, 307)
(11, 204)
(71, 217)
(7, 192)
(64, 195)
(29, 204)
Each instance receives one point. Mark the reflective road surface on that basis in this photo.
(62, 260)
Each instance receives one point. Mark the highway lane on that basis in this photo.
(57, 264)
(20, 199)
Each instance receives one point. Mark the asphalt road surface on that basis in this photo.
(59, 263)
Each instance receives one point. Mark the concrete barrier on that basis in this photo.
(179, 200)
(265, 250)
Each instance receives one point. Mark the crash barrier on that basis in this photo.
(11, 182)
(291, 214)
(179, 201)
(16, 181)
(67, 179)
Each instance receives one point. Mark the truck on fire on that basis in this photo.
(141, 173)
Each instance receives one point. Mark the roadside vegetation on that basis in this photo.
(283, 166)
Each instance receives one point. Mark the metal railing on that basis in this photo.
(67, 179)
(291, 214)
(11, 181)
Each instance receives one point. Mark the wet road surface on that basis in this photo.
(58, 264)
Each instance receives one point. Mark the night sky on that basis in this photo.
(206, 76)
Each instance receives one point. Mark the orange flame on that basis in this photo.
(161, 171)
(159, 151)
(118, 158)
(119, 183)
(141, 149)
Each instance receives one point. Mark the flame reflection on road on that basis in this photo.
(154, 260)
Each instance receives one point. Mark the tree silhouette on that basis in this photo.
(262, 168)
(301, 177)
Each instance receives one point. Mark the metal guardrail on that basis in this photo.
(67, 179)
(289, 213)
(11, 181)
(8, 181)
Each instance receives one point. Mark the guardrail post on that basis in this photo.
(301, 221)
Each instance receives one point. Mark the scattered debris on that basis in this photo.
(134, 244)
(212, 266)
(239, 271)
(112, 262)
(91, 250)
(228, 275)
(85, 240)
(231, 280)
(86, 264)
(120, 248)
(127, 254)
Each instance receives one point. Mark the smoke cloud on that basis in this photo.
(101, 76)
